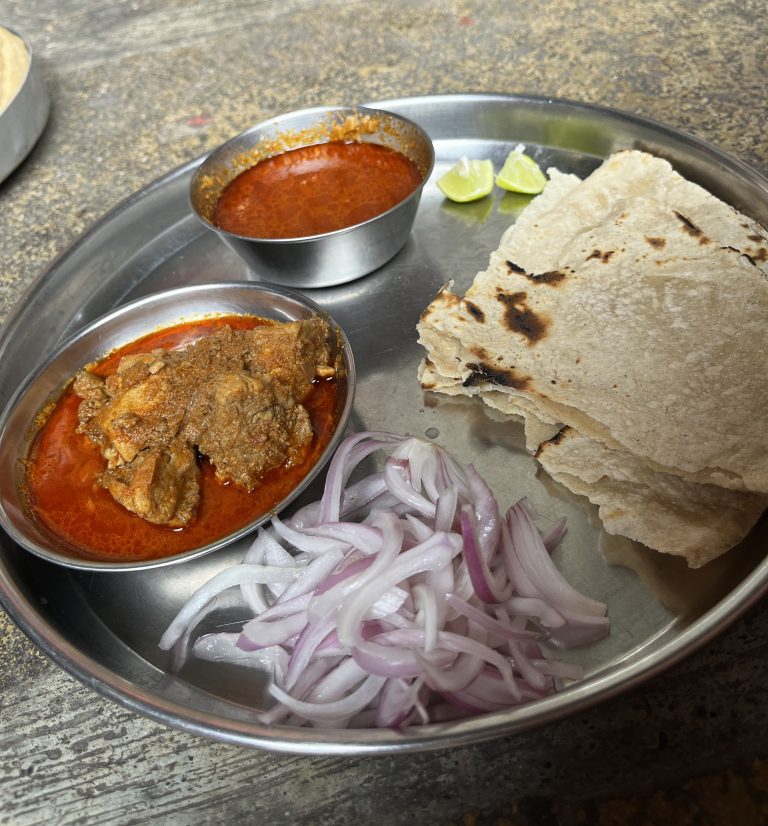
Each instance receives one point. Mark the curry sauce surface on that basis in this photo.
(64, 466)
(315, 189)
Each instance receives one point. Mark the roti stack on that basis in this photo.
(623, 317)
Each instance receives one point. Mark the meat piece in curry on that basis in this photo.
(233, 396)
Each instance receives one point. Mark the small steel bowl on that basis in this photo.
(333, 257)
(19, 422)
(22, 121)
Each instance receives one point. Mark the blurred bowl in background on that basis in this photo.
(24, 100)
(328, 258)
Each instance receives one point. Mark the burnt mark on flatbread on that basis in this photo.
(479, 353)
(551, 277)
(474, 311)
(555, 440)
(689, 226)
(445, 299)
(760, 255)
(655, 241)
(483, 373)
(520, 318)
(603, 256)
(429, 365)
(758, 239)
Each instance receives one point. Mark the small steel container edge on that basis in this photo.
(24, 118)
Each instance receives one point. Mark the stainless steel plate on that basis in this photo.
(660, 610)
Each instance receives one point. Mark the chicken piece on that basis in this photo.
(292, 353)
(147, 414)
(238, 421)
(130, 410)
(93, 392)
(234, 395)
(161, 484)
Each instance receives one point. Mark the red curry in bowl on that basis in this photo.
(65, 468)
(315, 189)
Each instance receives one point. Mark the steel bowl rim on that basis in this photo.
(137, 306)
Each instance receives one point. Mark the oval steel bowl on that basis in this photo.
(126, 324)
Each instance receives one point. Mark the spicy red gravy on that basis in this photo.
(315, 189)
(64, 466)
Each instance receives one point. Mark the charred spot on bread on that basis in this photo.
(474, 311)
(483, 373)
(520, 318)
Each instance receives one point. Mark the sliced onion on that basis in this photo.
(331, 711)
(223, 648)
(431, 599)
(486, 588)
(237, 575)
(541, 572)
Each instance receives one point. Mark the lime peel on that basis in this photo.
(521, 173)
(468, 180)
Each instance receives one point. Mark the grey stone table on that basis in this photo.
(140, 86)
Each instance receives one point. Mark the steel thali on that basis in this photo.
(660, 610)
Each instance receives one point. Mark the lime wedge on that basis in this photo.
(467, 181)
(521, 174)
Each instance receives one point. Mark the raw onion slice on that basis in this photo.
(429, 607)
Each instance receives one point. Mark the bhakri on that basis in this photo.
(630, 307)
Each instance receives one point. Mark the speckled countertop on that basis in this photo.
(139, 87)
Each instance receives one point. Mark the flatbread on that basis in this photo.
(699, 522)
(631, 307)
(572, 206)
